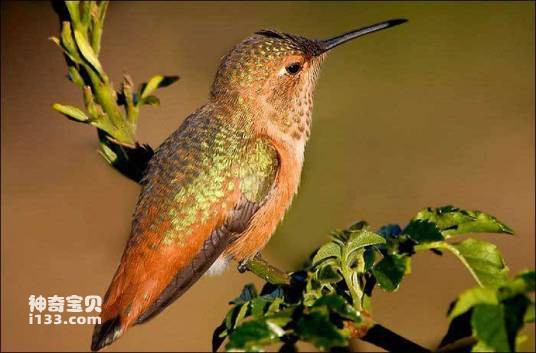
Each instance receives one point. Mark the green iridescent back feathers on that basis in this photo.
(201, 162)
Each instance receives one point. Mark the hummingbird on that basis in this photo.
(216, 188)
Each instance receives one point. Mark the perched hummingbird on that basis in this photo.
(216, 189)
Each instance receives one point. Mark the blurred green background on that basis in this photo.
(437, 111)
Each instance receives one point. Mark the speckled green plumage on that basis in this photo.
(196, 169)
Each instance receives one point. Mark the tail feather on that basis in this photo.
(106, 333)
(147, 281)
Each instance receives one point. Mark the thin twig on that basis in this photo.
(462, 345)
(266, 271)
(391, 341)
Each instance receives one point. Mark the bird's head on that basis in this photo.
(278, 71)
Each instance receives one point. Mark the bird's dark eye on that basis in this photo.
(293, 68)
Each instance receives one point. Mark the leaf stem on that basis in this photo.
(447, 246)
(355, 290)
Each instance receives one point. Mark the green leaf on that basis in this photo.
(281, 318)
(74, 10)
(472, 297)
(85, 13)
(101, 11)
(480, 346)
(275, 305)
(452, 221)
(242, 312)
(108, 154)
(312, 292)
(520, 342)
(253, 335)
(125, 96)
(98, 13)
(94, 109)
(523, 283)
(87, 52)
(505, 308)
(320, 331)
(529, 314)
(489, 327)
(483, 260)
(390, 271)
(423, 231)
(257, 307)
(337, 304)
(75, 77)
(71, 112)
(529, 278)
(230, 318)
(155, 82)
(481, 223)
(327, 274)
(271, 292)
(67, 43)
(55, 40)
(359, 225)
(514, 311)
(390, 231)
(369, 256)
(328, 250)
(362, 238)
(151, 100)
(248, 292)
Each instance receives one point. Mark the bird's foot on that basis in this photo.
(242, 265)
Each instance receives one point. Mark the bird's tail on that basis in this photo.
(122, 304)
(131, 292)
(106, 333)
(146, 283)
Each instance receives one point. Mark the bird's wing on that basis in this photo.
(202, 187)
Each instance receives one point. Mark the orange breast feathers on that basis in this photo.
(266, 219)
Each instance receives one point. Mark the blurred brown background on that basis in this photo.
(437, 111)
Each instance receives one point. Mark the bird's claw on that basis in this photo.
(242, 266)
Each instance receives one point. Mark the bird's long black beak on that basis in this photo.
(328, 44)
